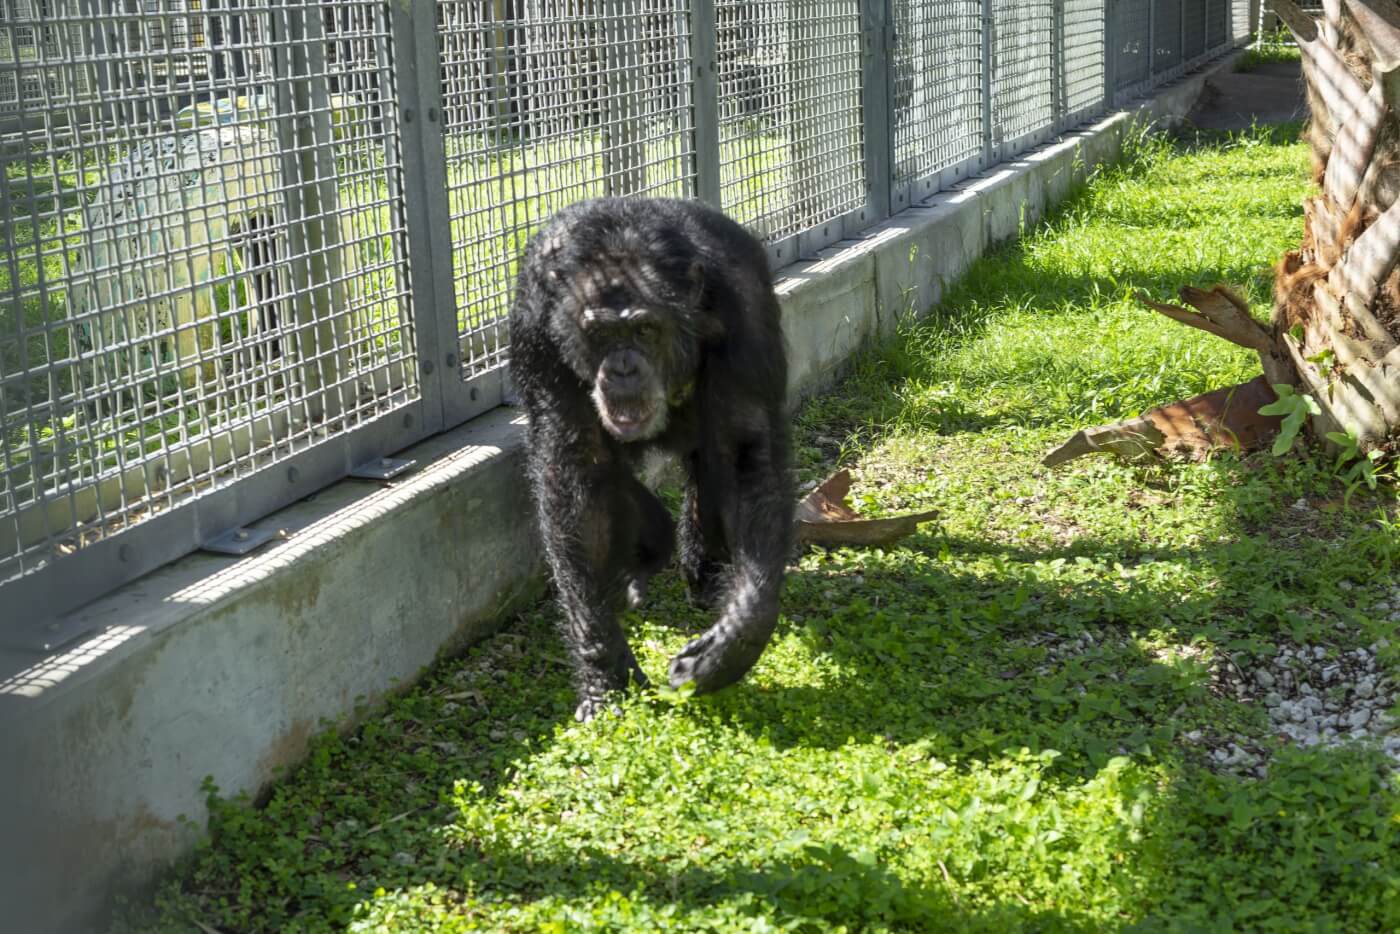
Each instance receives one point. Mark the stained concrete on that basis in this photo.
(1270, 94)
(225, 667)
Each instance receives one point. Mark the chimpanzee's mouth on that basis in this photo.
(628, 422)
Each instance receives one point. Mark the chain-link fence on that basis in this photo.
(253, 246)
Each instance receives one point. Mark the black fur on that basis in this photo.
(643, 324)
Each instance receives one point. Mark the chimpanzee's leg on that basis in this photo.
(702, 551)
(656, 540)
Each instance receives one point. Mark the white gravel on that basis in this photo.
(1314, 694)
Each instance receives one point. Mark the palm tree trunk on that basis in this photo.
(1335, 328)
(1337, 297)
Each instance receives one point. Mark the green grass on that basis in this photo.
(1271, 50)
(907, 755)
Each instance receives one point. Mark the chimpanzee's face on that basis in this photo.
(630, 340)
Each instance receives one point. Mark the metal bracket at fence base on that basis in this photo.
(238, 542)
(47, 635)
(382, 468)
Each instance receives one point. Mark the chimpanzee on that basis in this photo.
(644, 324)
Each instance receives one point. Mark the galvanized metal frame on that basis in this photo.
(933, 144)
(869, 183)
(706, 101)
(275, 458)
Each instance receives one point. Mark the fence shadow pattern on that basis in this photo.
(253, 246)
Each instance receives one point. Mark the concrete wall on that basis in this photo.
(226, 667)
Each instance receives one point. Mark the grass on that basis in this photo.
(917, 750)
(1277, 48)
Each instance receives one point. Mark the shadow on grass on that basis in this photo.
(824, 887)
(948, 654)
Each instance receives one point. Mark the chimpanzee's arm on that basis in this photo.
(588, 527)
(755, 504)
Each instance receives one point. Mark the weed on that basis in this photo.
(1273, 49)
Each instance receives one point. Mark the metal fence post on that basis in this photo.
(1110, 56)
(297, 148)
(624, 161)
(326, 330)
(1181, 41)
(1151, 43)
(1059, 91)
(989, 153)
(426, 213)
(705, 100)
(877, 96)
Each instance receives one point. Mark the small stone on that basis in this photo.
(1298, 714)
(1330, 673)
(1358, 734)
(1305, 688)
(1319, 652)
(1264, 678)
(1345, 585)
(1300, 504)
(404, 859)
(1358, 718)
(1273, 699)
(1380, 644)
(1365, 688)
(1193, 736)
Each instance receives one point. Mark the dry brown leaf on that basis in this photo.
(1225, 418)
(825, 518)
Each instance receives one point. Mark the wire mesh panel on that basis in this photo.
(1217, 23)
(1241, 24)
(548, 102)
(1083, 58)
(1166, 36)
(791, 154)
(1022, 69)
(202, 268)
(1193, 29)
(937, 86)
(1130, 25)
(207, 203)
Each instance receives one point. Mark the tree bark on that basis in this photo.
(1337, 297)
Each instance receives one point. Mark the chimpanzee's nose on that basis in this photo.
(623, 365)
